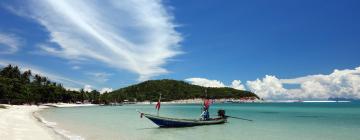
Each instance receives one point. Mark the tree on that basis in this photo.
(19, 88)
(94, 97)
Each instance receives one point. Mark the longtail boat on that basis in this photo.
(177, 122)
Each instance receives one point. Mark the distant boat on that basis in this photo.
(176, 122)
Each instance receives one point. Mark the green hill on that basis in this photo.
(173, 90)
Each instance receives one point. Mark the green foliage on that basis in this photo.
(174, 90)
(24, 88)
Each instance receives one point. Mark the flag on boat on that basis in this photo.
(207, 103)
(158, 104)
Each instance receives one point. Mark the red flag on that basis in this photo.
(207, 103)
(157, 105)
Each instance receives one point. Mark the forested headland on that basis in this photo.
(175, 90)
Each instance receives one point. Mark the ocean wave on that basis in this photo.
(62, 132)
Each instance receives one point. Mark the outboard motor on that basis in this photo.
(221, 113)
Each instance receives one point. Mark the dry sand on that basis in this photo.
(18, 123)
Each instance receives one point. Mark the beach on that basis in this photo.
(17, 122)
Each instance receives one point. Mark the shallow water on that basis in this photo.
(272, 121)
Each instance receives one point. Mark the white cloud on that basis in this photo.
(35, 70)
(268, 87)
(340, 83)
(236, 84)
(9, 43)
(88, 88)
(72, 89)
(205, 82)
(135, 35)
(103, 90)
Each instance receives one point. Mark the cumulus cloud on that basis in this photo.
(338, 84)
(205, 82)
(9, 43)
(268, 87)
(134, 35)
(88, 88)
(236, 84)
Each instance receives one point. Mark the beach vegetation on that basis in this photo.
(18, 87)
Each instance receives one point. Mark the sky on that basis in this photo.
(279, 49)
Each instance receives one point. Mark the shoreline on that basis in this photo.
(231, 100)
(200, 100)
(62, 133)
(24, 122)
(18, 122)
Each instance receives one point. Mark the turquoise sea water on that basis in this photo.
(272, 121)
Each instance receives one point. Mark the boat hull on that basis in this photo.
(175, 122)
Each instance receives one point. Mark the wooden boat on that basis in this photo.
(176, 122)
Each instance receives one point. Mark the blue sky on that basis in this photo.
(112, 44)
(248, 39)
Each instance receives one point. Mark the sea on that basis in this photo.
(271, 121)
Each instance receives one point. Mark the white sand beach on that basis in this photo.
(68, 105)
(18, 123)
